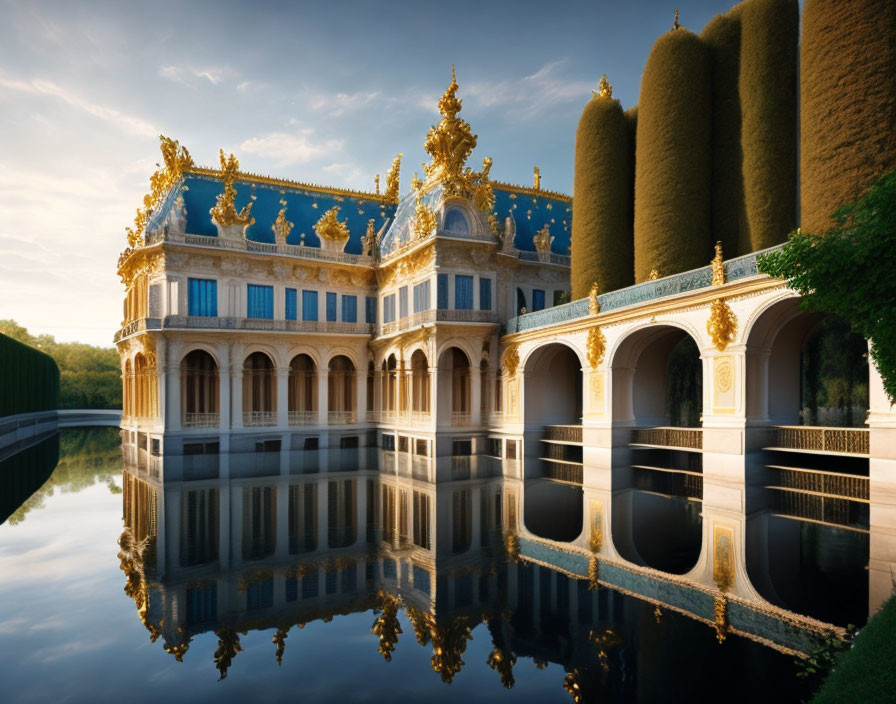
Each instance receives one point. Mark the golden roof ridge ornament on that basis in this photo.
(281, 227)
(605, 89)
(450, 143)
(393, 179)
(536, 179)
(718, 266)
(676, 25)
(332, 233)
(224, 213)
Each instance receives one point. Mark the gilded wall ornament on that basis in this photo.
(722, 324)
(281, 227)
(718, 267)
(483, 195)
(511, 360)
(653, 275)
(596, 346)
(224, 213)
(333, 234)
(368, 241)
(424, 219)
(593, 303)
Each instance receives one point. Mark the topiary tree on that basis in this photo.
(849, 271)
(603, 193)
(673, 166)
(847, 103)
(767, 84)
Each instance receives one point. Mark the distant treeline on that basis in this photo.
(90, 377)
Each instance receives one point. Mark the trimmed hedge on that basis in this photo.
(847, 103)
(603, 193)
(25, 473)
(29, 379)
(673, 165)
(729, 212)
(768, 85)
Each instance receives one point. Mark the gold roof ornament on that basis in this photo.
(281, 227)
(424, 219)
(653, 275)
(392, 179)
(483, 195)
(718, 266)
(722, 324)
(175, 159)
(593, 303)
(376, 183)
(450, 143)
(543, 239)
(676, 25)
(536, 179)
(605, 90)
(329, 229)
(224, 213)
(368, 241)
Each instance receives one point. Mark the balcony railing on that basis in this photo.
(340, 417)
(546, 257)
(289, 250)
(432, 316)
(461, 418)
(225, 323)
(563, 433)
(302, 417)
(813, 481)
(138, 326)
(852, 441)
(252, 419)
(404, 417)
(689, 438)
(202, 420)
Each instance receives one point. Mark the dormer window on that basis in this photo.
(456, 221)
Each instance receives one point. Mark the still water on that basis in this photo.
(306, 577)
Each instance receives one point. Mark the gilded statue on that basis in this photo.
(424, 219)
(368, 241)
(281, 227)
(543, 239)
(718, 267)
(224, 213)
(392, 180)
(330, 230)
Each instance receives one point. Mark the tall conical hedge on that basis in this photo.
(673, 163)
(768, 90)
(722, 36)
(847, 103)
(603, 193)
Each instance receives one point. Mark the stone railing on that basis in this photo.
(202, 420)
(224, 323)
(253, 419)
(853, 441)
(302, 417)
(461, 418)
(545, 258)
(690, 438)
(735, 269)
(563, 433)
(561, 471)
(432, 316)
(813, 481)
(340, 417)
(138, 325)
(460, 467)
(289, 250)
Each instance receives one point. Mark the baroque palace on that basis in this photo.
(258, 303)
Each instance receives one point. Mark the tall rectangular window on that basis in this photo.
(202, 297)
(331, 307)
(291, 304)
(309, 305)
(463, 292)
(485, 293)
(442, 291)
(389, 308)
(260, 301)
(421, 297)
(537, 299)
(370, 310)
(349, 309)
(403, 302)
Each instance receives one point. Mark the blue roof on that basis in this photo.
(531, 213)
(304, 207)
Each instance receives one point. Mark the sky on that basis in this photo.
(319, 92)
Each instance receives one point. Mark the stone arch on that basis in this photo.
(552, 386)
(341, 372)
(259, 388)
(420, 391)
(454, 379)
(302, 389)
(200, 389)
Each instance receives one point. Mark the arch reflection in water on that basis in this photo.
(300, 543)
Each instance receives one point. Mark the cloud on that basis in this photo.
(128, 123)
(286, 148)
(190, 77)
(335, 104)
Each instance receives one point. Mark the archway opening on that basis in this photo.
(259, 390)
(341, 390)
(419, 383)
(454, 386)
(199, 390)
(807, 535)
(657, 463)
(302, 391)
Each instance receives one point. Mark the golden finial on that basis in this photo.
(449, 144)
(718, 267)
(654, 275)
(330, 228)
(537, 179)
(376, 183)
(676, 25)
(392, 179)
(593, 304)
(416, 182)
(450, 104)
(224, 212)
(605, 89)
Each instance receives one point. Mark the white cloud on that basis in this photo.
(189, 76)
(286, 148)
(335, 104)
(128, 123)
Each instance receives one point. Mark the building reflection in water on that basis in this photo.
(271, 539)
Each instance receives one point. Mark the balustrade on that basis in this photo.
(254, 419)
(689, 438)
(460, 418)
(563, 433)
(302, 417)
(853, 441)
(340, 417)
(202, 420)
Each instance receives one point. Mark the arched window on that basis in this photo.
(341, 390)
(419, 383)
(259, 401)
(302, 393)
(456, 221)
(199, 390)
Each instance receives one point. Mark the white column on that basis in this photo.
(282, 396)
(172, 409)
(224, 386)
(323, 402)
(236, 386)
(361, 395)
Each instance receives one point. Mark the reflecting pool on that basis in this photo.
(356, 574)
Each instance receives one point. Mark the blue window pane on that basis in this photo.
(291, 304)
(455, 221)
(485, 294)
(349, 309)
(463, 292)
(370, 309)
(309, 305)
(202, 297)
(421, 297)
(442, 291)
(389, 308)
(260, 301)
(403, 302)
(537, 299)
(331, 306)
